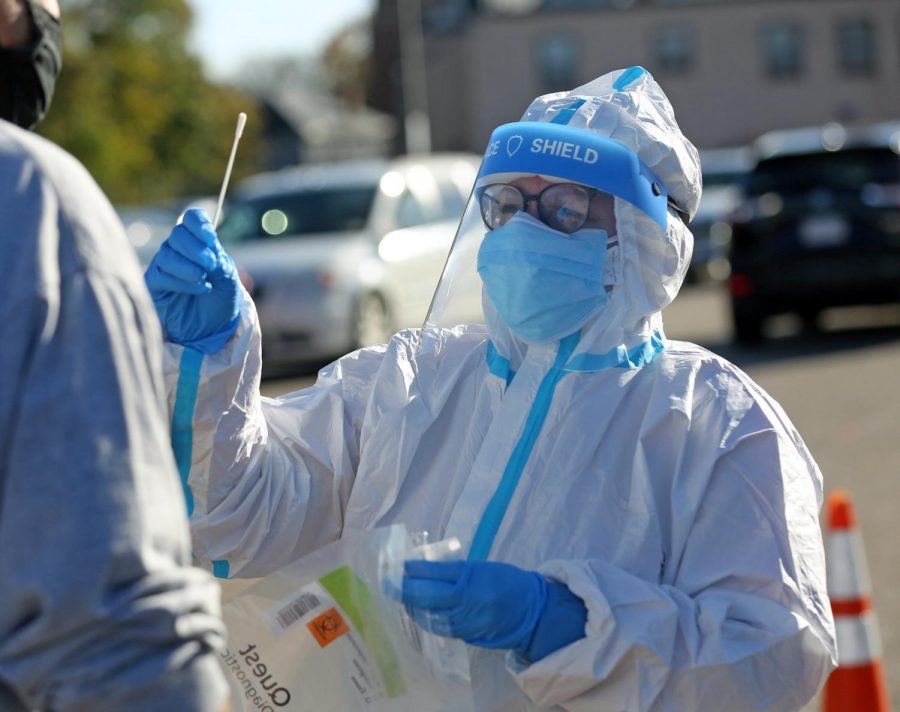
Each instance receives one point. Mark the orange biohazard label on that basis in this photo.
(328, 627)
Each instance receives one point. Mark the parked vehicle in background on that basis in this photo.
(820, 227)
(342, 255)
(724, 175)
(147, 226)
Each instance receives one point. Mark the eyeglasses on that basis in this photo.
(562, 206)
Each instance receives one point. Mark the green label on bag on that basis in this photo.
(351, 594)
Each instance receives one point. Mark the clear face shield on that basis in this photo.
(538, 250)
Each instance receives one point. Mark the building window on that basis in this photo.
(782, 49)
(856, 47)
(445, 16)
(673, 50)
(557, 59)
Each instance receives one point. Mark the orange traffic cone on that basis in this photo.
(857, 685)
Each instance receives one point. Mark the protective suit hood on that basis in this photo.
(649, 255)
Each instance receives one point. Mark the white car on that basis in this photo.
(340, 256)
(147, 226)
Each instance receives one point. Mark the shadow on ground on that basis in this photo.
(806, 343)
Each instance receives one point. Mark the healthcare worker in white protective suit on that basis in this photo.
(640, 518)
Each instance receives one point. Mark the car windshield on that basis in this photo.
(842, 170)
(729, 178)
(289, 214)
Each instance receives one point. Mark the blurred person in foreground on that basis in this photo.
(100, 609)
(640, 518)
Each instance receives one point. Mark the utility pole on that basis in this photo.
(416, 126)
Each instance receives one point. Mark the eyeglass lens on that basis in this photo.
(562, 206)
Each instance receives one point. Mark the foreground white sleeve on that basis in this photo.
(266, 480)
(739, 620)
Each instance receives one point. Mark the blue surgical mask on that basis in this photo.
(545, 284)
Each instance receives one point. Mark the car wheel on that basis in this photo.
(373, 322)
(748, 326)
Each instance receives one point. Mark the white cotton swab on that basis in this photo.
(242, 120)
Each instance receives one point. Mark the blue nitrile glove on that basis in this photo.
(493, 605)
(195, 286)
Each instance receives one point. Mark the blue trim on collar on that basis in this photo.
(620, 357)
(499, 365)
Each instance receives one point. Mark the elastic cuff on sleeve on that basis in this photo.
(562, 622)
(214, 342)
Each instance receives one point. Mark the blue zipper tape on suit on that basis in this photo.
(615, 358)
(183, 417)
(182, 432)
(496, 509)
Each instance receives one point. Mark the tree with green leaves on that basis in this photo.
(134, 106)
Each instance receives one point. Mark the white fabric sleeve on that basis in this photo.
(734, 624)
(266, 479)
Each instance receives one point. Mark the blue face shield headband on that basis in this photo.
(578, 156)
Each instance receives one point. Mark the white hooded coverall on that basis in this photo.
(652, 477)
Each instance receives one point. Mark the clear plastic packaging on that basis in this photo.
(447, 658)
(327, 632)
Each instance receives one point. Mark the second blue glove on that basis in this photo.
(485, 603)
(493, 605)
(194, 285)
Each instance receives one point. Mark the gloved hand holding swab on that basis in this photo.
(193, 282)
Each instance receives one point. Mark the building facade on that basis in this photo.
(733, 69)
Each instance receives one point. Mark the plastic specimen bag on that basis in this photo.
(328, 633)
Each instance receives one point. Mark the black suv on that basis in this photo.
(820, 227)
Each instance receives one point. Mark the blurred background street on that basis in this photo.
(367, 119)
